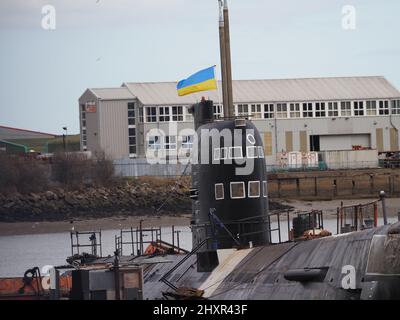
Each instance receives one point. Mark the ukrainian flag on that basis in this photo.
(200, 81)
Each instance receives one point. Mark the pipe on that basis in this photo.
(223, 59)
(382, 196)
(228, 60)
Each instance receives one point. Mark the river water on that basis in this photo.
(21, 252)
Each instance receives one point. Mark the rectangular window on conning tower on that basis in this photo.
(254, 189)
(235, 153)
(265, 194)
(219, 191)
(237, 190)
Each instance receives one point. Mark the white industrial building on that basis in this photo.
(315, 114)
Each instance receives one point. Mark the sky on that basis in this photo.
(103, 43)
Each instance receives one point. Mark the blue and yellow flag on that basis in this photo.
(200, 81)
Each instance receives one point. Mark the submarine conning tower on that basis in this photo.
(229, 185)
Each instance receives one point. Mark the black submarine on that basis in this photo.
(233, 256)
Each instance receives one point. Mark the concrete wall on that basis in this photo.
(92, 123)
(114, 128)
(334, 184)
(347, 159)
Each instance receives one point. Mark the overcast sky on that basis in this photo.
(100, 43)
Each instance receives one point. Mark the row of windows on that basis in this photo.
(169, 142)
(132, 129)
(238, 190)
(165, 114)
(225, 153)
(282, 110)
(83, 125)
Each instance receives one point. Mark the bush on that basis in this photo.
(103, 172)
(8, 175)
(22, 175)
(71, 169)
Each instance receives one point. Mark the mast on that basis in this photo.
(226, 67)
(223, 58)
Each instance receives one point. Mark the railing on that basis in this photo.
(91, 240)
(137, 239)
(140, 167)
(357, 217)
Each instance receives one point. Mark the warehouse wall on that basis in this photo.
(92, 122)
(114, 128)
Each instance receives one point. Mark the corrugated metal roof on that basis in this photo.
(311, 89)
(113, 93)
(16, 133)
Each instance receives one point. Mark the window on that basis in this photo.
(177, 113)
(83, 131)
(265, 193)
(84, 142)
(383, 107)
(83, 123)
(254, 189)
(358, 108)
(164, 114)
(187, 142)
(235, 153)
(396, 107)
(320, 110)
(333, 109)
(237, 190)
(219, 191)
(251, 152)
(281, 110)
(269, 111)
(170, 143)
(224, 153)
(295, 110)
(151, 114)
(371, 108)
(218, 112)
(307, 110)
(256, 111)
(84, 115)
(243, 110)
(261, 152)
(131, 113)
(188, 115)
(132, 141)
(345, 108)
(141, 114)
(154, 142)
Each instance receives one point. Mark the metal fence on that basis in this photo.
(140, 168)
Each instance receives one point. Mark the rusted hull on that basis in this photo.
(14, 289)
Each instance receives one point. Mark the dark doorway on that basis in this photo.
(314, 143)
